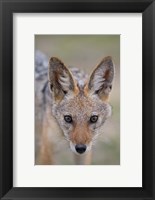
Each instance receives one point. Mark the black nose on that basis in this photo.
(80, 148)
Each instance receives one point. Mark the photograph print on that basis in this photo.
(77, 99)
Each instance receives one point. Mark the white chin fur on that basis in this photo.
(72, 146)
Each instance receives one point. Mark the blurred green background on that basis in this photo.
(85, 52)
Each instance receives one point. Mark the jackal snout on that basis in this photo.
(80, 148)
(80, 138)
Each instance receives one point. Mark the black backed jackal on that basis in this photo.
(71, 105)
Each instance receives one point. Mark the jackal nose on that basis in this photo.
(80, 148)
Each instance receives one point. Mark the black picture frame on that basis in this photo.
(7, 8)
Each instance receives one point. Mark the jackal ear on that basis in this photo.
(61, 82)
(101, 79)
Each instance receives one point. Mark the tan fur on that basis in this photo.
(81, 134)
(45, 152)
(69, 98)
(46, 148)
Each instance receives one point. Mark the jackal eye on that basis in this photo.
(93, 118)
(68, 118)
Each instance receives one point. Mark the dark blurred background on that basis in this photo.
(85, 52)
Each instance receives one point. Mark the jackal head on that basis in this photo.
(81, 111)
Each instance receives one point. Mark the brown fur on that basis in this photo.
(81, 134)
(45, 157)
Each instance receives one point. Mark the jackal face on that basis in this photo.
(81, 111)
